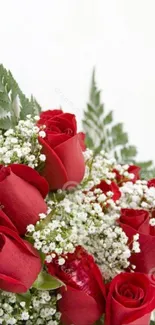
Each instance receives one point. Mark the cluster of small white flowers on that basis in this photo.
(98, 168)
(20, 145)
(137, 195)
(53, 237)
(89, 218)
(41, 309)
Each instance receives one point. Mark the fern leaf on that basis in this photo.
(13, 101)
(102, 133)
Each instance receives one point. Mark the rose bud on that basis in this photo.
(22, 193)
(130, 300)
(20, 263)
(135, 222)
(62, 146)
(83, 298)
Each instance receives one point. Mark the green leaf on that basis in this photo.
(5, 123)
(26, 297)
(100, 321)
(108, 119)
(89, 142)
(47, 282)
(128, 153)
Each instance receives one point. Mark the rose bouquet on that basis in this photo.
(77, 231)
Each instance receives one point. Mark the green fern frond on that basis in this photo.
(14, 105)
(103, 133)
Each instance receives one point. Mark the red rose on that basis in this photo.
(20, 263)
(83, 300)
(135, 221)
(110, 188)
(135, 170)
(62, 146)
(130, 300)
(151, 182)
(22, 191)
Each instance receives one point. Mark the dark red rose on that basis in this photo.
(20, 263)
(135, 222)
(133, 169)
(62, 146)
(83, 298)
(151, 182)
(110, 188)
(130, 300)
(22, 191)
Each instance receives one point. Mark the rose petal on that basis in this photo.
(151, 182)
(31, 176)
(72, 158)
(19, 261)
(137, 219)
(7, 283)
(54, 170)
(44, 116)
(4, 172)
(6, 222)
(21, 201)
(145, 260)
(78, 308)
(110, 188)
(133, 169)
(57, 138)
(82, 137)
(66, 121)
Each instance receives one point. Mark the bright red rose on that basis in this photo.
(133, 169)
(130, 300)
(22, 191)
(151, 182)
(110, 188)
(83, 298)
(135, 221)
(20, 263)
(62, 146)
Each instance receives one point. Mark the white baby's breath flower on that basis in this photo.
(152, 222)
(61, 261)
(42, 215)
(42, 134)
(48, 259)
(30, 228)
(42, 157)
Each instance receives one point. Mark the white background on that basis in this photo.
(51, 47)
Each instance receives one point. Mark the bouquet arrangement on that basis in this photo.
(77, 231)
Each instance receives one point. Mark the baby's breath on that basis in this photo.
(40, 310)
(20, 145)
(89, 218)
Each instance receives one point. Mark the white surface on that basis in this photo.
(51, 47)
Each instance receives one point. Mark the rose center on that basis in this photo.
(68, 131)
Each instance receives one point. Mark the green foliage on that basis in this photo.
(26, 297)
(13, 103)
(47, 282)
(103, 133)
